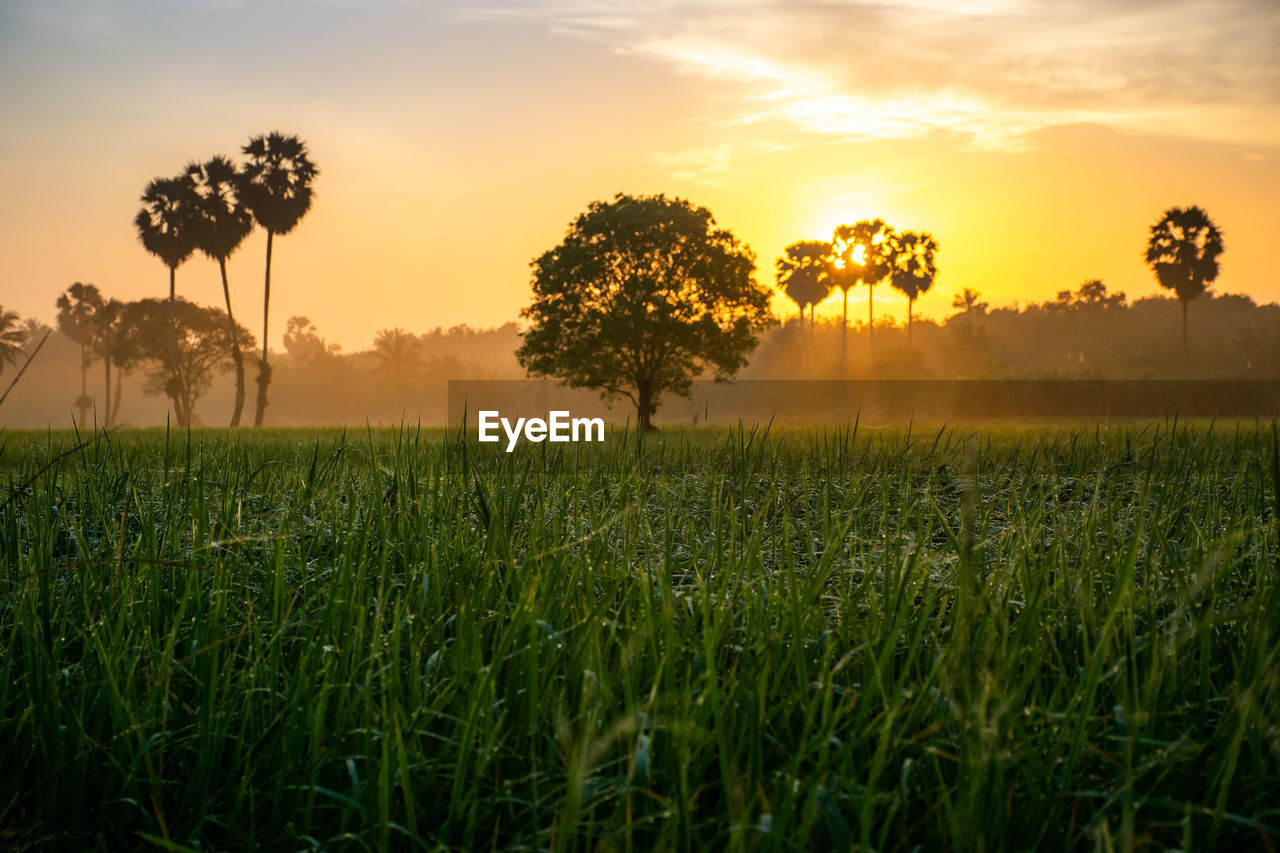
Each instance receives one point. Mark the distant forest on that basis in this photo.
(1085, 333)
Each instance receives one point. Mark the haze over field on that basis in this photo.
(457, 140)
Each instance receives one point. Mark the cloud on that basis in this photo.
(697, 165)
(992, 71)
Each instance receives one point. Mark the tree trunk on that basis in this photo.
(115, 405)
(106, 366)
(1186, 364)
(177, 393)
(645, 406)
(264, 369)
(82, 403)
(236, 355)
(910, 301)
(871, 320)
(844, 337)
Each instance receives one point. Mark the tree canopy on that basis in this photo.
(803, 273)
(643, 294)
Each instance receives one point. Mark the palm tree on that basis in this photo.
(12, 337)
(77, 309)
(914, 268)
(860, 256)
(275, 185)
(399, 360)
(970, 300)
(109, 342)
(219, 226)
(1183, 252)
(802, 274)
(165, 229)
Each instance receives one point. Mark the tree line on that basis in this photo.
(644, 293)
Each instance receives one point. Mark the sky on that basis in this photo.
(1036, 141)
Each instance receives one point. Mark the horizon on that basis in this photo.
(456, 143)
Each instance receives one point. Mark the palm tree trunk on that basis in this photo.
(82, 404)
(910, 301)
(236, 355)
(264, 369)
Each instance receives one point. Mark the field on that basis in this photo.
(1057, 637)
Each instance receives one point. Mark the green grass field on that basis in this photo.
(1004, 638)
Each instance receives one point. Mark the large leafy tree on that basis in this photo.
(165, 227)
(276, 186)
(220, 224)
(643, 294)
(77, 309)
(914, 267)
(860, 255)
(204, 348)
(12, 338)
(1183, 252)
(802, 274)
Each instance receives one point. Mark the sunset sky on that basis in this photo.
(1037, 141)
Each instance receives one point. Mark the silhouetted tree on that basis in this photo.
(643, 294)
(220, 224)
(76, 310)
(802, 274)
(165, 228)
(33, 331)
(1093, 293)
(1183, 251)
(399, 359)
(914, 268)
(12, 338)
(303, 342)
(859, 256)
(204, 348)
(969, 301)
(275, 185)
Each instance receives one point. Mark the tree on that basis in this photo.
(802, 274)
(219, 225)
(303, 342)
(1092, 293)
(203, 350)
(12, 338)
(1183, 252)
(970, 301)
(859, 256)
(33, 331)
(643, 294)
(399, 360)
(914, 268)
(165, 228)
(76, 310)
(275, 185)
